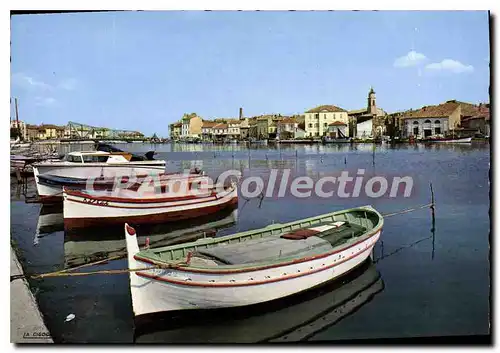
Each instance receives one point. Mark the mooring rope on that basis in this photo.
(431, 205)
(68, 272)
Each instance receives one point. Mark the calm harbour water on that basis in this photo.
(424, 281)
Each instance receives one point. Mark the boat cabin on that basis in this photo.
(98, 157)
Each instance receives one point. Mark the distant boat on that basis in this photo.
(452, 140)
(337, 140)
(251, 267)
(449, 139)
(298, 141)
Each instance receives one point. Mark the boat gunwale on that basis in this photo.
(213, 196)
(77, 181)
(266, 281)
(235, 268)
(154, 163)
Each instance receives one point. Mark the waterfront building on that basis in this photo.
(367, 122)
(252, 128)
(432, 120)
(191, 125)
(288, 128)
(49, 131)
(478, 120)
(337, 129)
(207, 131)
(244, 128)
(22, 128)
(220, 131)
(31, 132)
(175, 130)
(317, 119)
(233, 128)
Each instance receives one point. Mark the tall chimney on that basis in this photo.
(241, 113)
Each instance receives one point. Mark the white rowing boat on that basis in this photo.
(84, 208)
(250, 267)
(292, 320)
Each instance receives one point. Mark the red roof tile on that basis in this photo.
(337, 123)
(326, 108)
(209, 124)
(287, 121)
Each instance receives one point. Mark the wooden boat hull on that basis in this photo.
(50, 187)
(84, 210)
(185, 288)
(89, 170)
(289, 320)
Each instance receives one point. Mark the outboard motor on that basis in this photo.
(197, 170)
(149, 155)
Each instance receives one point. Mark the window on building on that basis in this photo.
(437, 130)
(415, 123)
(325, 116)
(310, 125)
(437, 122)
(325, 124)
(427, 121)
(317, 116)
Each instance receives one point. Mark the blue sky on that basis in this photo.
(143, 70)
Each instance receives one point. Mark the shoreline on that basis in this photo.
(26, 320)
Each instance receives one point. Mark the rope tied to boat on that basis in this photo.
(67, 273)
(172, 265)
(430, 205)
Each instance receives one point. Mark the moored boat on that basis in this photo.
(250, 267)
(91, 164)
(50, 187)
(289, 320)
(85, 208)
(449, 140)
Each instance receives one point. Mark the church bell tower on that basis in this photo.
(372, 106)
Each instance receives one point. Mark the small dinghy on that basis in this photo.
(83, 208)
(250, 267)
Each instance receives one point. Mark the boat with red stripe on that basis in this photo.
(83, 208)
(251, 267)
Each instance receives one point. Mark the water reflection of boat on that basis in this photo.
(50, 220)
(82, 246)
(285, 320)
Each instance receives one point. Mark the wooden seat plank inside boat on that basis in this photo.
(296, 244)
(331, 230)
(266, 249)
(340, 234)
